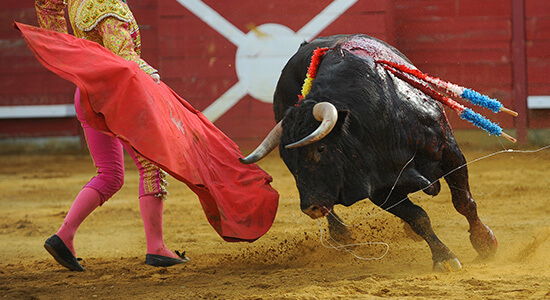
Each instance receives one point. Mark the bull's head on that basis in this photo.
(314, 161)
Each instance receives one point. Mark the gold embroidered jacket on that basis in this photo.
(107, 22)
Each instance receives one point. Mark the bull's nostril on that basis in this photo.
(315, 211)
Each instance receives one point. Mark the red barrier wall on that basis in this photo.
(464, 41)
(470, 43)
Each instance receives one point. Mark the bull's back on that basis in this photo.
(293, 74)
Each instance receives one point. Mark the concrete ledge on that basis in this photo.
(538, 102)
(37, 111)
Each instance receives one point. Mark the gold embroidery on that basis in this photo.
(154, 178)
(91, 12)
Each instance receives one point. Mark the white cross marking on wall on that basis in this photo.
(262, 52)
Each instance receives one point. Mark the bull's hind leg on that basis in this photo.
(400, 205)
(481, 236)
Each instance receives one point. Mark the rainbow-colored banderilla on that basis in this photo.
(421, 81)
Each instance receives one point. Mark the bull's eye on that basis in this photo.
(321, 149)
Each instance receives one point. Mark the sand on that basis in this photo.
(292, 261)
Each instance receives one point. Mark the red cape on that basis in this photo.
(118, 98)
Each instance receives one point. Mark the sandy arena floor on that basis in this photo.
(289, 262)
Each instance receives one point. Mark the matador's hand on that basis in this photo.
(156, 77)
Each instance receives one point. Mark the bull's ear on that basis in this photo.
(343, 120)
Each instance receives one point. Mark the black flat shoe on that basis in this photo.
(55, 246)
(165, 261)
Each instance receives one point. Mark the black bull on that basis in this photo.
(364, 133)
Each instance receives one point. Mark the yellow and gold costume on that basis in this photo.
(109, 23)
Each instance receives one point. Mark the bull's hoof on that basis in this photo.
(484, 241)
(338, 230)
(448, 265)
(341, 235)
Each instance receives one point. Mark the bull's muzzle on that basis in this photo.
(316, 211)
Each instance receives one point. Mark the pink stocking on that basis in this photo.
(87, 201)
(151, 212)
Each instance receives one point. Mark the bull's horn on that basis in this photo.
(269, 143)
(327, 114)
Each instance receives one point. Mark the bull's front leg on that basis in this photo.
(400, 205)
(337, 229)
(481, 236)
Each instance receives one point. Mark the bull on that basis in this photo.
(362, 132)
